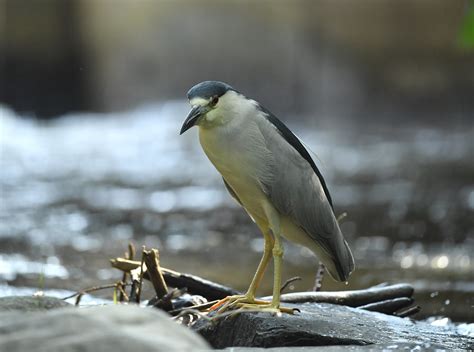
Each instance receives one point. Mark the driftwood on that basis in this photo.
(352, 298)
(151, 259)
(393, 299)
(388, 306)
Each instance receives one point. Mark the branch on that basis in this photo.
(153, 269)
(354, 298)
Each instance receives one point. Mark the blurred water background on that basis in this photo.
(92, 97)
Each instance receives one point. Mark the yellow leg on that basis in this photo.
(272, 246)
(249, 297)
(277, 259)
(267, 252)
(277, 251)
(274, 223)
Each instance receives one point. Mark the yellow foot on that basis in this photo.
(231, 302)
(269, 307)
(245, 302)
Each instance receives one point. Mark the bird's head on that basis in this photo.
(210, 101)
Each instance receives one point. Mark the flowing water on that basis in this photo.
(75, 191)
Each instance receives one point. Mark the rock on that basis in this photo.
(31, 303)
(326, 324)
(384, 347)
(107, 328)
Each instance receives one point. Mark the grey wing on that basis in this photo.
(297, 191)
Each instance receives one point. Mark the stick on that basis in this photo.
(389, 306)
(135, 275)
(409, 311)
(124, 264)
(165, 303)
(153, 269)
(124, 278)
(123, 294)
(199, 307)
(131, 251)
(288, 282)
(91, 289)
(79, 294)
(140, 282)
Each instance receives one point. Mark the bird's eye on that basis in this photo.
(214, 100)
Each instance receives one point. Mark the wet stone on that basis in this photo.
(31, 303)
(325, 325)
(385, 347)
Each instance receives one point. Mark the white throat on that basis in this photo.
(231, 107)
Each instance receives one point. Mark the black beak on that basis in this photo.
(193, 116)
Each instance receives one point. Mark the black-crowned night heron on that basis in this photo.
(271, 175)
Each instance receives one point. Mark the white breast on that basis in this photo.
(238, 151)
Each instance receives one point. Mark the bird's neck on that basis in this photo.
(218, 118)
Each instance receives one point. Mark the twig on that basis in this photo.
(198, 307)
(91, 289)
(133, 291)
(124, 264)
(288, 282)
(164, 302)
(131, 251)
(153, 269)
(140, 282)
(408, 312)
(135, 276)
(123, 294)
(128, 255)
(124, 279)
(78, 299)
(79, 294)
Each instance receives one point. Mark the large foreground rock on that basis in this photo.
(326, 324)
(108, 328)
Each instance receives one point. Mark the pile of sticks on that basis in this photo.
(179, 293)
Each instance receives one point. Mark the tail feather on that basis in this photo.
(344, 265)
(341, 264)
